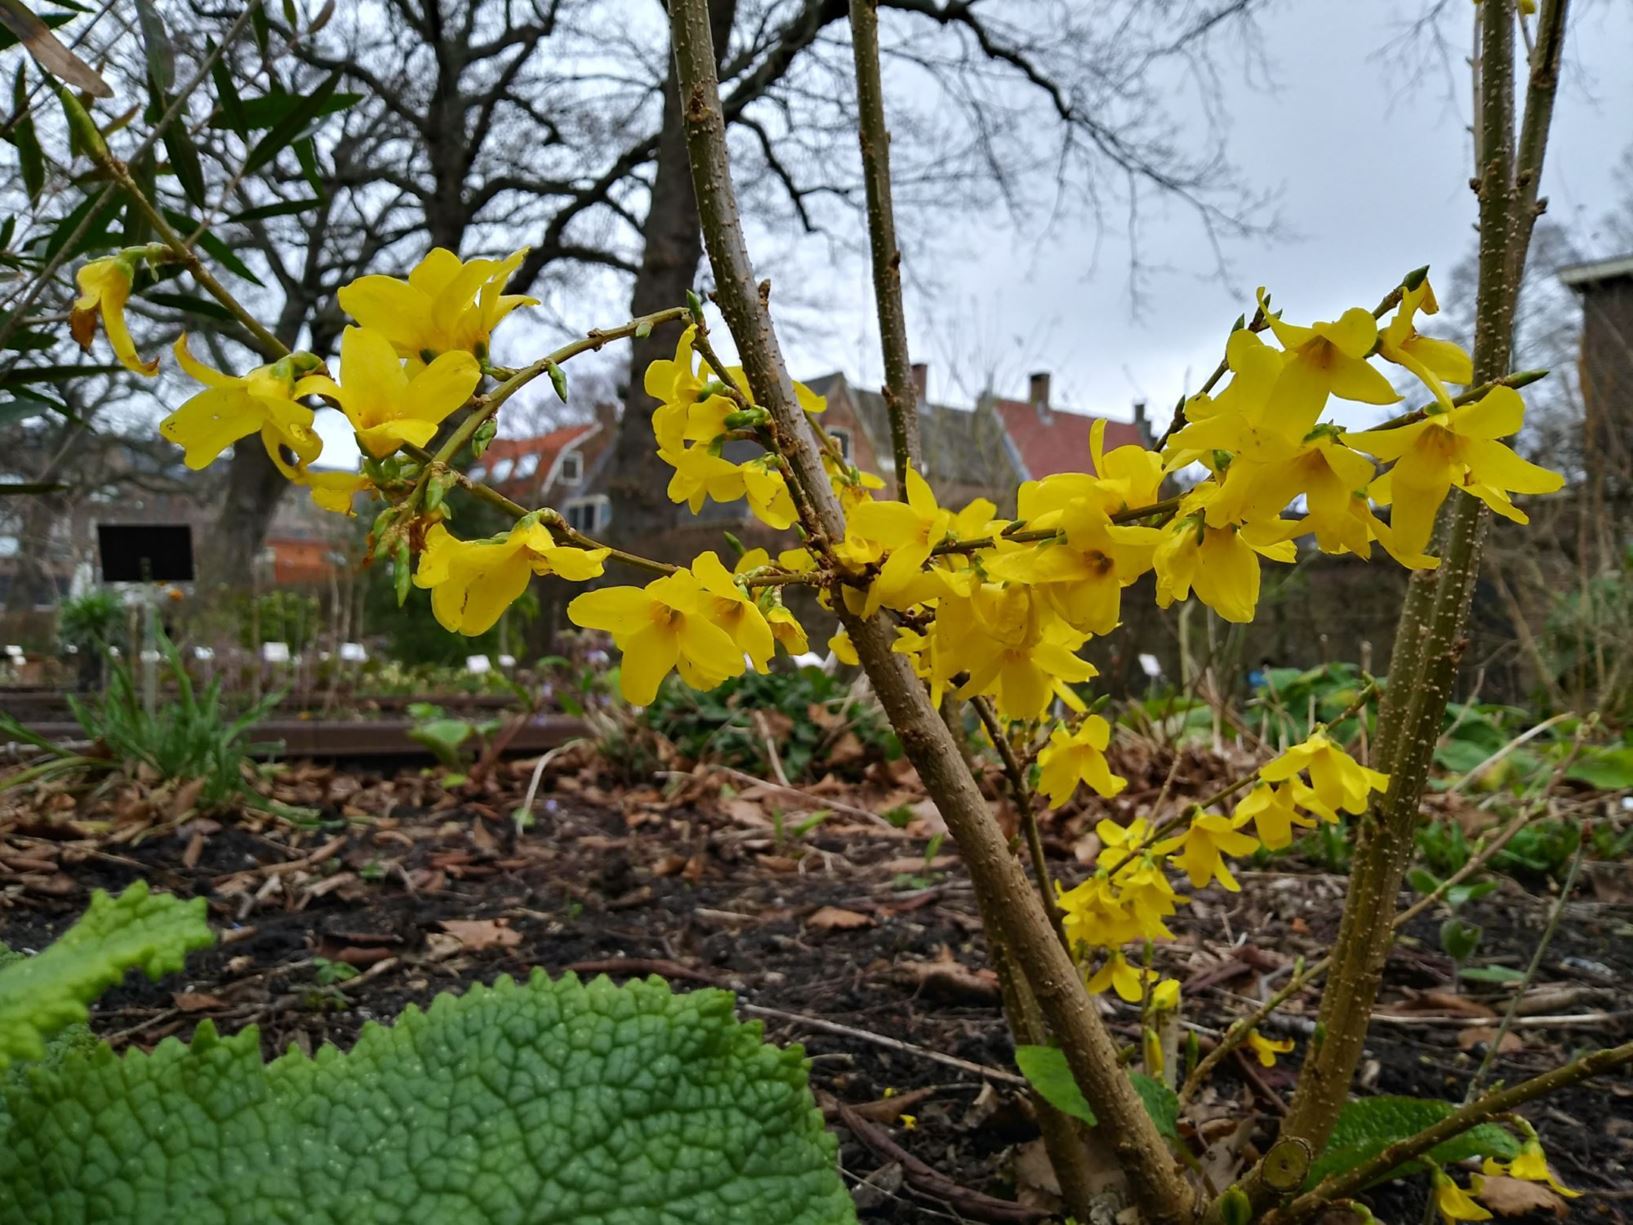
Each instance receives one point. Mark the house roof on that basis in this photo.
(1579, 275)
(530, 461)
(1054, 440)
(960, 447)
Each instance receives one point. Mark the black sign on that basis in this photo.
(145, 552)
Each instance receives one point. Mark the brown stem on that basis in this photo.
(901, 398)
(1429, 643)
(1021, 795)
(1006, 900)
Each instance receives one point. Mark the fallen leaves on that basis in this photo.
(837, 918)
(1516, 1197)
(478, 935)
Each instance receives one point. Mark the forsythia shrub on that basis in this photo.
(985, 607)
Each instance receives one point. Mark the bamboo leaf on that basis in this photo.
(160, 52)
(292, 126)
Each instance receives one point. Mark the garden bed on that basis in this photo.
(856, 938)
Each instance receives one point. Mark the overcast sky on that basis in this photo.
(1372, 162)
(1365, 143)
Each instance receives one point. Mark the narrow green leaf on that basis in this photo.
(97, 236)
(191, 304)
(232, 115)
(306, 153)
(292, 126)
(218, 250)
(161, 54)
(185, 164)
(287, 208)
(31, 161)
(274, 106)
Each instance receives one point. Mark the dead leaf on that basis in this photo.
(746, 813)
(1516, 1197)
(889, 1109)
(831, 918)
(1440, 1003)
(196, 1001)
(186, 796)
(947, 979)
(1477, 1035)
(846, 751)
(479, 934)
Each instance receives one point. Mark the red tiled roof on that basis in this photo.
(1057, 441)
(548, 447)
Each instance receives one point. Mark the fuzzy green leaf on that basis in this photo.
(553, 1101)
(1369, 1125)
(137, 930)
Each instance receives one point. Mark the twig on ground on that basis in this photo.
(894, 1044)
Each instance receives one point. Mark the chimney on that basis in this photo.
(607, 414)
(921, 381)
(1142, 423)
(1038, 393)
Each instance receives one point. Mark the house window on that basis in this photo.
(589, 515)
(843, 439)
(572, 468)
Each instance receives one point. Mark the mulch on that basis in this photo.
(854, 938)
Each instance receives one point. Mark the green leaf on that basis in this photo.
(97, 234)
(516, 1104)
(1046, 1070)
(184, 163)
(31, 161)
(17, 376)
(161, 54)
(20, 22)
(1606, 769)
(231, 114)
(285, 209)
(218, 250)
(1369, 1125)
(293, 125)
(1492, 974)
(191, 304)
(443, 737)
(1161, 1103)
(273, 107)
(137, 930)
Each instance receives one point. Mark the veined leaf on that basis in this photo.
(1369, 1125)
(1046, 1070)
(518, 1104)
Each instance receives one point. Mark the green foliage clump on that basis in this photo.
(279, 616)
(1369, 1125)
(518, 1104)
(719, 725)
(1288, 702)
(89, 622)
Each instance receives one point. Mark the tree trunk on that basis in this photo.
(226, 558)
(636, 477)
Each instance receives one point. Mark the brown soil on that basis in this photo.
(848, 925)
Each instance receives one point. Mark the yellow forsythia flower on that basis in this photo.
(1274, 814)
(1531, 1165)
(104, 288)
(445, 305)
(387, 407)
(1165, 995)
(1435, 362)
(1077, 757)
(1266, 1049)
(660, 628)
(1105, 912)
(1012, 646)
(334, 490)
(844, 649)
(1118, 975)
(909, 530)
(1459, 448)
(263, 401)
(472, 582)
(725, 604)
(1202, 849)
(1453, 1203)
(1325, 359)
(1337, 780)
(1221, 564)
